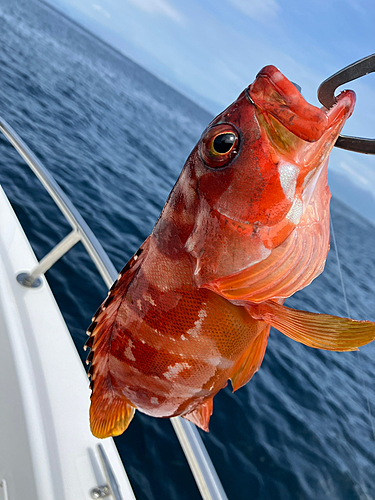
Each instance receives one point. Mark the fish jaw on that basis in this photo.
(300, 135)
(276, 96)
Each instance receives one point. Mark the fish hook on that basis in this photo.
(327, 97)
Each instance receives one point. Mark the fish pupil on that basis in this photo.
(223, 143)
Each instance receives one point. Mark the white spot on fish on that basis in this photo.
(288, 179)
(183, 337)
(149, 299)
(128, 351)
(175, 369)
(154, 401)
(135, 257)
(220, 362)
(139, 304)
(202, 314)
(296, 211)
(190, 245)
(214, 361)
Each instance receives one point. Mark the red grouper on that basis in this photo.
(245, 226)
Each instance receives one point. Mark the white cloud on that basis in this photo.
(257, 9)
(158, 7)
(100, 9)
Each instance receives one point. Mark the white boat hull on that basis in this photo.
(46, 448)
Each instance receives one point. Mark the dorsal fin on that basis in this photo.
(110, 411)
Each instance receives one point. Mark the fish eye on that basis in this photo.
(223, 143)
(219, 145)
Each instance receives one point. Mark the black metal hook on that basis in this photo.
(326, 95)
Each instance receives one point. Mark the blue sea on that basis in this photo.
(115, 138)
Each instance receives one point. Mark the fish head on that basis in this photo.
(253, 173)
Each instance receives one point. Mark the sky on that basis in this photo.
(210, 50)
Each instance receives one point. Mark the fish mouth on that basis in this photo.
(277, 97)
(341, 110)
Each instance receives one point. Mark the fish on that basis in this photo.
(246, 225)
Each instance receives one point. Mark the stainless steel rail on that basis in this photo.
(110, 476)
(80, 230)
(196, 454)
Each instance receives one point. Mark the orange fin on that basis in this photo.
(110, 414)
(110, 411)
(201, 415)
(250, 361)
(321, 331)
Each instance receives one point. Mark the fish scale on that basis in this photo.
(244, 227)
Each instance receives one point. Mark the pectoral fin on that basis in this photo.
(321, 331)
(201, 415)
(250, 361)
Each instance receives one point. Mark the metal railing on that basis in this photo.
(196, 454)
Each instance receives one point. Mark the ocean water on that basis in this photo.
(116, 138)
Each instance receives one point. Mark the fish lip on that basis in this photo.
(341, 109)
(276, 96)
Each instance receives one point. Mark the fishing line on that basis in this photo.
(339, 268)
(371, 420)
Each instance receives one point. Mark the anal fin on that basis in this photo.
(250, 361)
(321, 331)
(201, 415)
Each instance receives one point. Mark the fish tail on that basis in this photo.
(321, 331)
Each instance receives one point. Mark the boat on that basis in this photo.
(47, 451)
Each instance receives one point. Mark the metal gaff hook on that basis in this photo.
(326, 95)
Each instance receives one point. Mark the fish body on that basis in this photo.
(245, 226)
